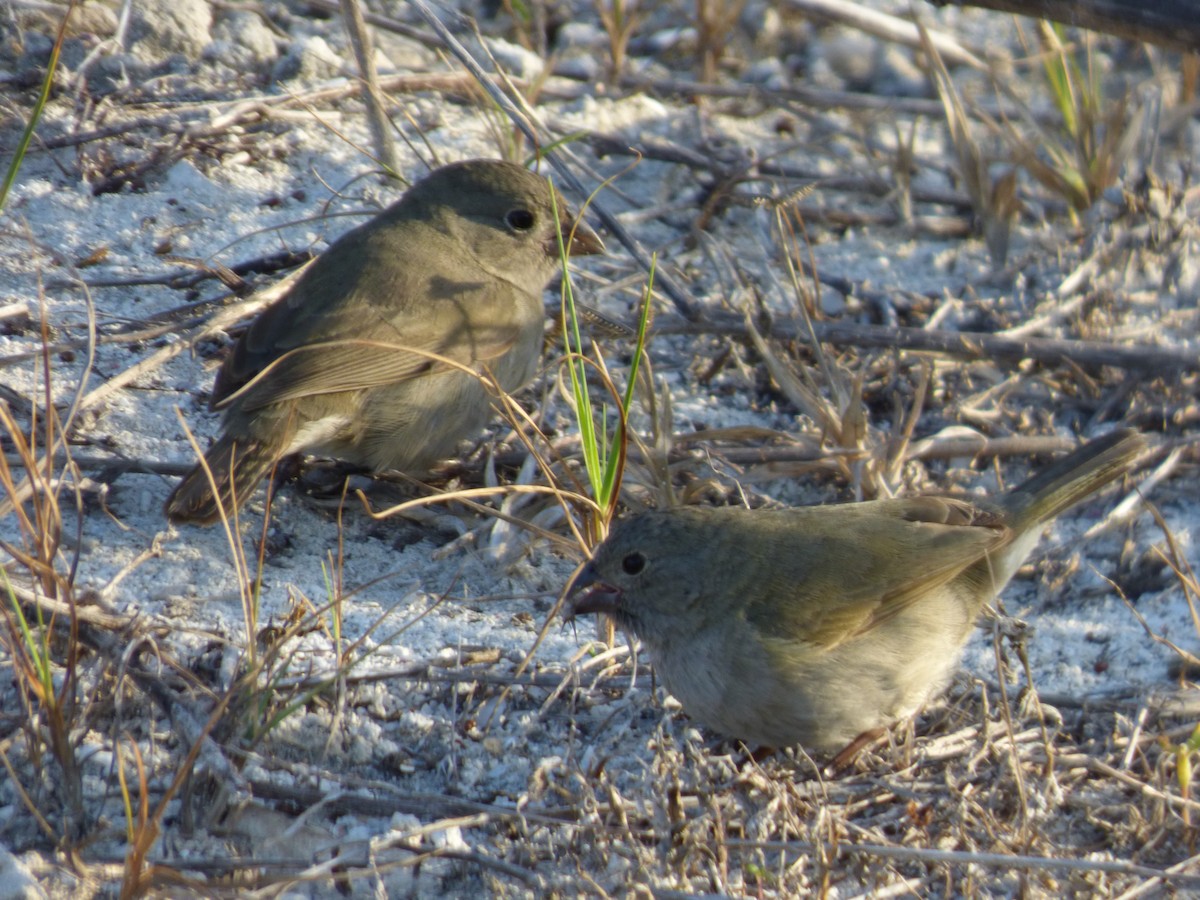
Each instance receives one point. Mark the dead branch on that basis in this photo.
(1168, 23)
(959, 344)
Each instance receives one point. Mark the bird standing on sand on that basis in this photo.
(347, 365)
(816, 625)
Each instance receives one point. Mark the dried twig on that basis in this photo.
(960, 344)
(987, 860)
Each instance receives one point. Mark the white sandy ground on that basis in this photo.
(1084, 642)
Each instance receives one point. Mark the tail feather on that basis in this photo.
(236, 467)
(1072, 478)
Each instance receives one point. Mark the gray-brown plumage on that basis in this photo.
(817, 624)
(341, 366)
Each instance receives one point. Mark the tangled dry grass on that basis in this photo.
(138, 764)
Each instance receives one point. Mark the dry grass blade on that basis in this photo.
(828, 415)
(573, 502)
(360, 40)
(806, 397)
(141, 830)
(384, 712)
(248, 585)
(650, 467)
(870, 461)
(1085, 155)
(716, 21)
(620, 18)
(218, 322)
(47, 674)
(465, 495)
(995, 202)
(1180, 566)
(901, 442)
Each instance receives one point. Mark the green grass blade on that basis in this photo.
(14, 166)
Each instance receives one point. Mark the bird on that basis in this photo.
(815, 626)
(360, 359)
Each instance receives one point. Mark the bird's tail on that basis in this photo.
(236, 466)
(1075, 476)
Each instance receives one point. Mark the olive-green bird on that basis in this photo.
(346, 363)
(819, 624)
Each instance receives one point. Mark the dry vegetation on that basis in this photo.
(997, 790)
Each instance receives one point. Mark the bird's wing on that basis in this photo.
(299, 348)
(861, 564)
(331, 367)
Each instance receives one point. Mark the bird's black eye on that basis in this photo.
(519, 219)
(633, 563)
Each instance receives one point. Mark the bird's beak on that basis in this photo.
(602, 598)
(580, 240)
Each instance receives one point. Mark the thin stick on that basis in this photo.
(360, 41)
(961, 344)
(887, 27)
(965, 858)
